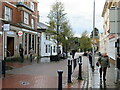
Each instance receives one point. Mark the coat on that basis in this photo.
(104, 61)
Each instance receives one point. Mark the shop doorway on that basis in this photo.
(10, 46)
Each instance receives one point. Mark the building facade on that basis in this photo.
(21, 18)
(48, 45)
(109, 39)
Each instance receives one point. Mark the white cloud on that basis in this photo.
(79, 13)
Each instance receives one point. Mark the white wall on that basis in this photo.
(45, 42)
(111, 52)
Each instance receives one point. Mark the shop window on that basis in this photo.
(29, 41)
(25, 43)
(8, 14)
(33, 42)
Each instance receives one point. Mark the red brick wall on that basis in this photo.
(0, 31)
(18, 16)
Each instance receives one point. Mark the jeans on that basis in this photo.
(103, 70)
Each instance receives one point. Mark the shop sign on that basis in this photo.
(20, 33)
(10, 33)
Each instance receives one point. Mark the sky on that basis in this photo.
(79, 14)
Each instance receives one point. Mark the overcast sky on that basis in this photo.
(79, 13)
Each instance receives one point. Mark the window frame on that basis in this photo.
(26, 18)
(8, 13)
(32, 6)
(33, 23)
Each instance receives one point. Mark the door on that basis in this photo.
(10, 46)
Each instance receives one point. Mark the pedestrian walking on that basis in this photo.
(21, 52)
(73, 53)
(103, 61)
(118, 66)
(31, 54)
(90, 58)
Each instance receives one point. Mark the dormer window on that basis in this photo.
(32, 6)
(8, 14)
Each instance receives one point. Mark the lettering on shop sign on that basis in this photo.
(10, 33)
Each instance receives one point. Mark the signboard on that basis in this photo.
(10, 33)
(20, 33)
(114, 20)
(6, 27)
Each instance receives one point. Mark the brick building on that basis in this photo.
(22, 18)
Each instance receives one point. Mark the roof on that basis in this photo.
(41, 26)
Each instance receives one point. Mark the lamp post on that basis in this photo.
(93, 46)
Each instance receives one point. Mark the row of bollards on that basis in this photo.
(70, 72)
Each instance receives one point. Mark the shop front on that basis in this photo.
(16, 37)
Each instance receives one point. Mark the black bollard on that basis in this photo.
(80, 58)
(69, 61)
(60, 79)
(80, 71)
(69, 72)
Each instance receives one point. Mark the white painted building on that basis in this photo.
(108, 38)
(101, 43)
(48, 45)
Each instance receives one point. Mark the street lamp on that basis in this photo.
(93, 49)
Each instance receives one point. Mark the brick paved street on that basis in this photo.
(39, 75)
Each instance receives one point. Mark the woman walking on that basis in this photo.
(104, 63)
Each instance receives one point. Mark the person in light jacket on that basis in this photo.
(103, 61)
(31, 54)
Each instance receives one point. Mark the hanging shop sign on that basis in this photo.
(20, 33)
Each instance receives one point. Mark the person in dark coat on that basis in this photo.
(73, 53)
(90, 58)
(21, 50)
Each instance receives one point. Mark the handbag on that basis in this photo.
(97, 64)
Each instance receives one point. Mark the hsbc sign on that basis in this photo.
(20, 33)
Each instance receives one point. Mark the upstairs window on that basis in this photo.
(32, 23)
(8, 14)
(32, 5)
(26, 17)
(47, 37)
